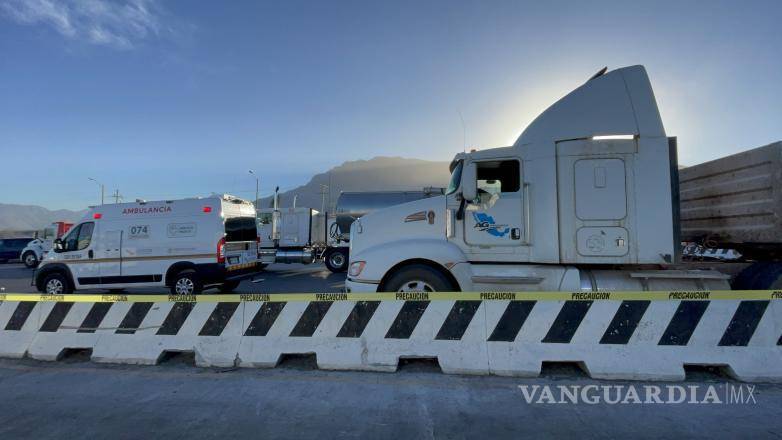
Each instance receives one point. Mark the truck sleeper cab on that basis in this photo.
(582, 201)
(184, 245)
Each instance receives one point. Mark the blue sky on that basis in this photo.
(179, 98)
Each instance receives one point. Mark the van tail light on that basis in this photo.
(221, 251)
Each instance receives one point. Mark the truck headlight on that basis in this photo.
(356, 267)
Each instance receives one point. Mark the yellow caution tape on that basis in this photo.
(704, 295)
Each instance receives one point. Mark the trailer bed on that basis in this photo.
(734, 200)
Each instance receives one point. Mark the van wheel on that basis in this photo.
(229, 286)
(29, 259)
(418, 278)
(186, 283)
(56, 284)
(337, 260)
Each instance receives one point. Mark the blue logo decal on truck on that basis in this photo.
(485, 222)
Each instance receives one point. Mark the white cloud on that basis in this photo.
(118, 24)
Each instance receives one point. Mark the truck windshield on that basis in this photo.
(240, 229)
(456, 178)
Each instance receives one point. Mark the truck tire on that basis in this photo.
(229, 286)
(56, 283)
(186, 282)
(418, 278)
(336, 260)
(30, 259)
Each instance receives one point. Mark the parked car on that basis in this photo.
(11, 248)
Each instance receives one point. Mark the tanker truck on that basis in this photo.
(586, 199)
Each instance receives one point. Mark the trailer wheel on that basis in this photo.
(56, 283)
(186, 282)
(30, 259)
(418, 278)
(337, 260)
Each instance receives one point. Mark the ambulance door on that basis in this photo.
(110, 251)
(78, 254)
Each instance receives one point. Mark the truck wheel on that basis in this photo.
(337, 260)
(186, 283)
(56, 284)
(30, 259)
(229, 286)
(418, 278)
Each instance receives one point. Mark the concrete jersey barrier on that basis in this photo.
(612, 335)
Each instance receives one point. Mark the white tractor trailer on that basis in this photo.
(585, 200)
(304, 235)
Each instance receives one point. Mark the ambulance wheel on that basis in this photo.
(29, 259)
(186, 283)
(229, 286)
(56, 284)
(418, 278)
(337, 260)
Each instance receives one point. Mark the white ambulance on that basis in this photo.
(185, 245)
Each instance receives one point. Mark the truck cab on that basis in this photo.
(583, 200)
(36, 250)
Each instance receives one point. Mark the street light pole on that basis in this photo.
(323, 189)
(102, 189)
(255, 203)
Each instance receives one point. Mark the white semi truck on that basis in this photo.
(36, 250)
(304, 235)
(583, 201)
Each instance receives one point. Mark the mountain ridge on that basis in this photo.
(382, 173)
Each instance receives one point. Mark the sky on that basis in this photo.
(166, 99)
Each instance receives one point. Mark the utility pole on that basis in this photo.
(102, 188)
(117, 196)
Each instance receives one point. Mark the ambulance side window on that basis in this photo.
(85, 235)
(78, 237)
(70, 240)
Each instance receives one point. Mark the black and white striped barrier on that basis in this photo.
(613, 335)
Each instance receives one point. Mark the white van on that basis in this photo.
(185, 245)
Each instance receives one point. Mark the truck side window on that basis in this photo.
(501, 176)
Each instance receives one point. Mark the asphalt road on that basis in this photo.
(175, 400)
(276, 278)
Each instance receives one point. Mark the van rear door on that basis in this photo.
(241, 245)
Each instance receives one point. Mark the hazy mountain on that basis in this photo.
(377, 174)
(31, 218)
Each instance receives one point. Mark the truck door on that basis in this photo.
(494, 223)
(79, 254)
(110, 251)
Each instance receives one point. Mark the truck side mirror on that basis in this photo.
(57, 245)
(469, 182)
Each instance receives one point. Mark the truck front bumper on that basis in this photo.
(359, 287)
